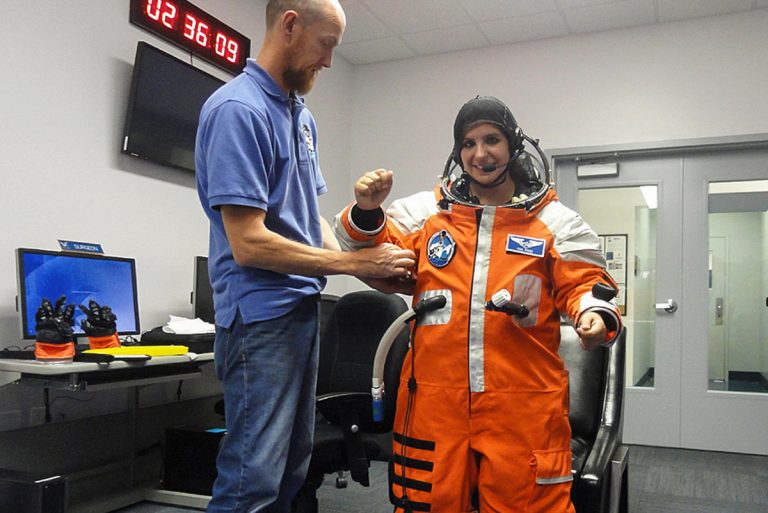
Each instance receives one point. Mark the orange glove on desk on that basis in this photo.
(54, 341)
(100, 326)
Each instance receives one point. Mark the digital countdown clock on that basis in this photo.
(193, 29)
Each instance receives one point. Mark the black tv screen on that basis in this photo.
(163, 108)
(108, 280)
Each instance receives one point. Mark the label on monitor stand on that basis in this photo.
(81, 247)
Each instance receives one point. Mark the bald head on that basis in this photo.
(309, 10)
(299, 42)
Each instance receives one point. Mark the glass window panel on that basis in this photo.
(631, 211)
(738, 286)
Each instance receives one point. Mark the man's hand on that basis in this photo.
(591, 330)
(100, 320)
(384, 261)
(54, 322)
(372, 188)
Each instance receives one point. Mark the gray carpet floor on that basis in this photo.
(661, 480)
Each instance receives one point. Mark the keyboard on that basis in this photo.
(17, 354)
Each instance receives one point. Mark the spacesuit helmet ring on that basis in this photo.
(528, 166)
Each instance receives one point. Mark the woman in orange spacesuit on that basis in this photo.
(482, 415)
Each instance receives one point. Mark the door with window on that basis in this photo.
(694, 286)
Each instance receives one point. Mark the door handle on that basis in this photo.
(670, 306)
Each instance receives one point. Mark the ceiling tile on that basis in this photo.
(361, 23)
(405, 16)
(397, 29)
(376, 50)
(525, 28)
(449, 39)
(671, 10)
(488, 10)
(627, 13)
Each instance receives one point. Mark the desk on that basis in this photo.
(89, 376)
(79, 376)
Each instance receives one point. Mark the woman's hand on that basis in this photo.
(591, 330)
(372, 188)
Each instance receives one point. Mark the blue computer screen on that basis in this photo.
(107, 280)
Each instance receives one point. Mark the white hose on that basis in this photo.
(377, 382)
(377, 389)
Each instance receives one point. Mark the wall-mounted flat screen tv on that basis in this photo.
(163, 108)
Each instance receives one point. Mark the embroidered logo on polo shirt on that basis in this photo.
(308, 138)
(440, 248)
(525, 245)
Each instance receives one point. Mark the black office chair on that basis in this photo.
(596, 380)
(346, 437)
(327, 304)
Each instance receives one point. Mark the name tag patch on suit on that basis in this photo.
(440, 248)
(525, 245)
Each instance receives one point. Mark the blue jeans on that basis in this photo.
(269, 373)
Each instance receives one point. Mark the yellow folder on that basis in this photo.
(148, 350)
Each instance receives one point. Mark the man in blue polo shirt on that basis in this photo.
(258, 179)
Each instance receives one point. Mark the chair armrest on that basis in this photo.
(608, 436)
(597, 465)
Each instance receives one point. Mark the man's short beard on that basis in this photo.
(298, 80)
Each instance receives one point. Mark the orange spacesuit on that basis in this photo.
(482, 414)
(490, 409)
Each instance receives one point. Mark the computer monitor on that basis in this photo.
(107, 280)
(202, 293)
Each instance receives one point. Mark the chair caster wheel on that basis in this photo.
(341, 482)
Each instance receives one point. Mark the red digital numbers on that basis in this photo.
(194, 29)
(199, 32)
(163, 11)
(227, 48)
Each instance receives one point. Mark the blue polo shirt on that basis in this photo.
(256, 147)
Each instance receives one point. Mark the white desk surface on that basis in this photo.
(55, 369)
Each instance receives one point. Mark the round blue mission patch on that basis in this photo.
(440, 248)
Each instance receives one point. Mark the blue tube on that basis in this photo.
(378, 409)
